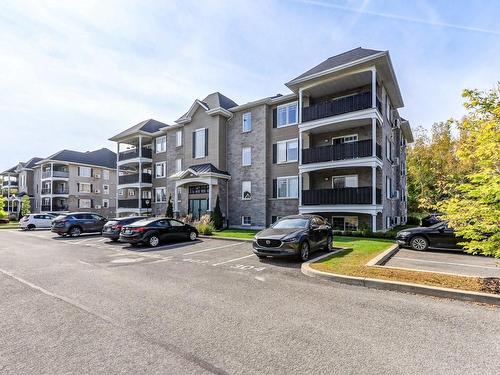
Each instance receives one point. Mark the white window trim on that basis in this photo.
(346, 136)
(164, 169)
(243, 159)
(243, 221)
(287, 178)
(178, 165)
(105, 189)
(121, 192)
(243, 122)
(85, 199)
(107, 203)
(163, 137)
(287, 105)
(84, 183)
(156, 195)
(80, 168)
(243, 191)
(345, 176)
(286, 141)
(178, 140)
(204, 144)
(105, 174)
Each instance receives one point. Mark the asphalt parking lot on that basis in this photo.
(446, 261)
(86, 305)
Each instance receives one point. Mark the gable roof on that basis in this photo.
(339, 60)
(10, 170)
(31, 163)
(200, 170)
(214, 103)
(147, 126)
(101, 158)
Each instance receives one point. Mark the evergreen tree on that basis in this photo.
(25, 206)
(217, 215)
(170, 208)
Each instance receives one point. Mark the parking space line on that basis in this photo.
(232, 260)
(452, 264)
(212, 248)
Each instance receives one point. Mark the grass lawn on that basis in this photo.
(352, 263)
(10, 225)
(236, 233)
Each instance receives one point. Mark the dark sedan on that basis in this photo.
(437, 236)
(154, 231)
(294, 236)
(114, 226)
(432, 219)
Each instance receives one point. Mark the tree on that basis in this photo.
(25, 206)
(3, 214)
(473, 210)
(170, 208)
(217, 218)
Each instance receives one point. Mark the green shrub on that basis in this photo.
(217, 215)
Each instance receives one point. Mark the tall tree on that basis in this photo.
(170, 208)
(473, 210)
(217, 218)
(25, 206)
(3, 214)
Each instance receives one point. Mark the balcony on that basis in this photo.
(55, 173)
(359, 195)
(339, 106)
(134, 203)
(46, 191)
(134, 153)
(12, 183)
(344, 151)
(60, 191)
(134, 178)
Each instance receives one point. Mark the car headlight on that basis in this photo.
(292, 239)
(404, 234)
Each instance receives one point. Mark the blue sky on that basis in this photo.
(75, 73)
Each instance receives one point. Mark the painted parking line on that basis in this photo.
(212, 248)
(448, 263)
(233, 260)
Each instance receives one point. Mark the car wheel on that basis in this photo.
(114, 240)
(419, 243)
(31, 227)
(193, 235)
(304, 251)
(153, 241)
(329, 241)
(75, 232)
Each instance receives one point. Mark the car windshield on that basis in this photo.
(291, 223)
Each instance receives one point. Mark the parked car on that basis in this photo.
(295, 236)
(154, 231)
(36, 221)
(75, 223)
(437, 236)
(431, 219)
(114, 226)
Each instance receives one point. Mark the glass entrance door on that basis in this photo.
(197, 207)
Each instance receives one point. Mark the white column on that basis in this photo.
(117, 175)
(140, 174)
(374, 186)
(374, 137)
(300, 189)
(374, 87)
(300, 107)
(51, 184)
(176, 198)
(374, 222)
(8, 192)
(210, 196)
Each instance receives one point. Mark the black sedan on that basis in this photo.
(437, 236)
(432, 219)
(114, 226)
(295, 236)
(154, 231)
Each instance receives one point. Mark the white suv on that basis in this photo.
(34, 221)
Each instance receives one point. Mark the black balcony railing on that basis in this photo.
(131, 154)
(45, 207)
(134, 203)
(359, 195)
(349, 150)
(12, 183)
(46, 191)
(60, 208)
(134, 178)
(60, 191)
(337, 106)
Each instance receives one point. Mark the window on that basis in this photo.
(178, 138)
(84, 171)
(246, 156)
(200, 143)
(105, 174)
(176, 223)
(198, 189)
(388, 187)
(121, 192)
(131, 192)
(287, 114)
(160, 169)
(247, 122)
(84, 203)
(388, 149)
(246, 220)
(161, 195)
(105, 189)
(388, 222)
(161, 144)
(344, 139)
(288, 187)
(246, 190)
(105, 203)
(288, 151)
(146, 194)
(345, 223)
(178, 165)
(340, 182)
(84, 187)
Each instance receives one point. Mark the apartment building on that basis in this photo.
(76, 181)
(334, 146)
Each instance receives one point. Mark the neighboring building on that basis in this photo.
(334, 146)
(76, 181)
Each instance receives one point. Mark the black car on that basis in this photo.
(437, 236)
(154, 231)
(432, 219)
(114, 226)
(295, 236)
(75, 223)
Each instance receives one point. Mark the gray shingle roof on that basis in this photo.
(338, 60)
(101, 158)
(10, 170)
(148, 126)
(207, 168)
(216, 100)
(31, 163)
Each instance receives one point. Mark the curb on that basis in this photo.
(462, 295)
(383, 257)
(226, 238)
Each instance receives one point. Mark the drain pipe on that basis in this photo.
(227, 181)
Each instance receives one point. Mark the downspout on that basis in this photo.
(227, 181)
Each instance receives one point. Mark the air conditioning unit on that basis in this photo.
(98, 206)
(97, 191)
(97, 175)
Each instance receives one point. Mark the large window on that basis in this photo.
(246, 156)
(287, 114)
(178, 165)
(105, 174)
(160, 169)
(288, 151)
(344, 139)
(340, 182)
(388, 149)
(84, 171)
(247, 122)
(160, 194)
(84, 203)
(200, 143)
(161, 144)
(84, 187)
(288, 187)
(198, 189)
(178, 138)
(246, 190)
(345, 223)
